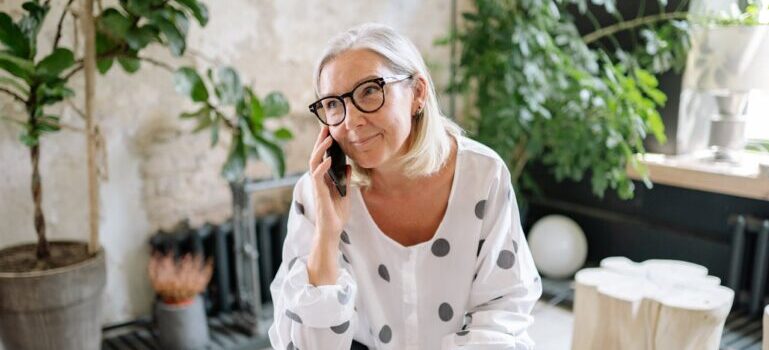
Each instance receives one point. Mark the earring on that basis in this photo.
(419, 114)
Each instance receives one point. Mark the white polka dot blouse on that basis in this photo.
(471, 286)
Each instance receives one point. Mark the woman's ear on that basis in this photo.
(420, 94)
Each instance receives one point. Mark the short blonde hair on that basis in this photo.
(430, 136)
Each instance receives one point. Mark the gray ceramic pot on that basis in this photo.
(182, 327)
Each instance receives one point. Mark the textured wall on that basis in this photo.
(159, 173)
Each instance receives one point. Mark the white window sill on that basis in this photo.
(691, 171)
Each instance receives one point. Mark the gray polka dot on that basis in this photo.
(291, 346)
(480, 208)
(506, 259)
(345, 237)
(476, 276)
(292, 262)
(386, 334)
(480, 245)
(341, 328)
(536, 279)
(445, 312)
(299, 208)
(441, 247)
(345, 258)
(384, 273)
(509, 193)
(293, 316)
(462, 333)
(343, 295)
(515, 246)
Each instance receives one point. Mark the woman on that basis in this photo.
(425, 250)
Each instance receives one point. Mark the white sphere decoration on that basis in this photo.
(558, 246)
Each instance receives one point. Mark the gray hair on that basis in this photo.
(430, 137)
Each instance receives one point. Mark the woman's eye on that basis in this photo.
(370, 90)
(331, 104)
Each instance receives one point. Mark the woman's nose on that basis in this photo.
(354, 116)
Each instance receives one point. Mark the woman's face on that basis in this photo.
(370, 139)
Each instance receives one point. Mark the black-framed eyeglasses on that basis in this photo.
(368, 97)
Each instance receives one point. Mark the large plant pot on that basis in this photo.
(182, 327)
(53, 309)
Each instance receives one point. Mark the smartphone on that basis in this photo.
(338, 169)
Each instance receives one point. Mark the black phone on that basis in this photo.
(338, 169)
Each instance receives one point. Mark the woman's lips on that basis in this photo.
(365, 141)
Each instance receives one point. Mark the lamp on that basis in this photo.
(727, 62)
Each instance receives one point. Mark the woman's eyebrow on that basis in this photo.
(371, 76)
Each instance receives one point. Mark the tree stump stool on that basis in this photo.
(653, 305)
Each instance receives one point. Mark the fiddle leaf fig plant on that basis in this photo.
(241, 112)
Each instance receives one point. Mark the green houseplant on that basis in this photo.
(542, 91)
(119, 34)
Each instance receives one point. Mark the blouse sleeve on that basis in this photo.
(305, 316)
(506, 285)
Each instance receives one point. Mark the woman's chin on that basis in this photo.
(366, 162)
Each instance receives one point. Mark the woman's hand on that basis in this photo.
(332, 209)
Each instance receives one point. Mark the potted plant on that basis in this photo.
(50, 291)
(179, 311)
(581, 105)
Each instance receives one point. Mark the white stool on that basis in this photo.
(657, 304)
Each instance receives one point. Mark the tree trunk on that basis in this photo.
(43, 251)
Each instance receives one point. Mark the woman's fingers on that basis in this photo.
(317, 154)
(319, 174)
(321, 134)
(321, 137)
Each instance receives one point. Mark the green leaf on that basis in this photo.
(283, 134)
(198, 9)
(272, 154)
(12, 37)
(256, 116)
(139, 7)
(104, 64)
(114, 24)
(104, 44)
(646, 78)
(48, 123)
(187, 82)
(233, 167)
(20, 88)
(203, 111)
(129, 64)
(203, 122)
(31, 22)
(28, 139)
(18, 67)
(51, 92)
(55, 63)
(173, 26)
(275, 105)
(139, 38)
(657, 127)
(229, 89)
